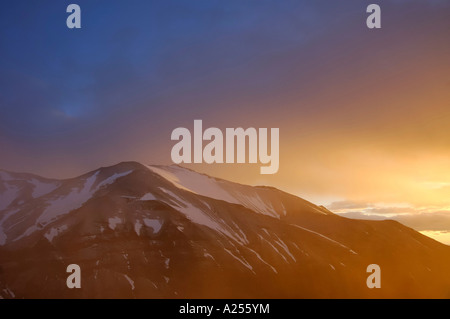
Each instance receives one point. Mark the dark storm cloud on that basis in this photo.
(126, 54)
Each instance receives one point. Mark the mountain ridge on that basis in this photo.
(172, 232)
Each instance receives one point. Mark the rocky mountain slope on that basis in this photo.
(140, 231)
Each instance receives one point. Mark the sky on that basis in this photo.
(363, 114)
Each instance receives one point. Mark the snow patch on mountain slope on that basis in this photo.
(137, 227)
(194, 182)
(53, 232)
(241, 260)
(130, 281)
(113, 178)
(198, 216)
(154, 224)
(255, 203)
(274, 248)
(3, 236)
(167, 263)
(325, 237)
(265, 262)
(148, 196)
(28, 232)
(64, 204)
(208, 255)
(8, 293)
(318, 210)
(75, 199)
(210, 187)
(192, 212)
(283, 245)
(41, 188)
(8, 196)
(113, 222)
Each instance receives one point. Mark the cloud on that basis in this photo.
(420, 219)
(347, 204)
(437, 221)
(365, 208)
(361, 215)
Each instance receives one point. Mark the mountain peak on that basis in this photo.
(150, 224)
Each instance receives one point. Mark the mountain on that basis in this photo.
(139, 231)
